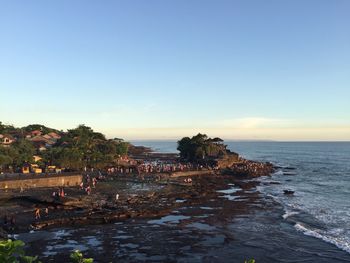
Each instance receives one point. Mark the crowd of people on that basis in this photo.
(59, 193)
(153, 167)
(243, 167)
(90, 181)
(251, 168)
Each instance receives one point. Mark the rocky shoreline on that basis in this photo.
(156, 197)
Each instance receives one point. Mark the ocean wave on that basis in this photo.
(289, 213)
(341, 242)
(279, 172)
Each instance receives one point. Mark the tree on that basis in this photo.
(77, 148)
(24, 151)
(42, 128)
(5, 161)
(4, 129)
(17, 154)
(200, 147)
(83, 146)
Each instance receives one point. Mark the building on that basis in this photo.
(35, 133)
(54, 135)
(26, 168)
(40, 142)
(36, 158)
(6, 140)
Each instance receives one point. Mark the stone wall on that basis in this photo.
(42, 181)
(191, 173)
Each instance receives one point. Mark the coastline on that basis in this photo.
(101, 207)
(233, 223)
(252, 219)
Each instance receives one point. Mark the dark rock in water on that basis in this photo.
(289, 168)
(271, 183)
(288, 192)
(286, 173)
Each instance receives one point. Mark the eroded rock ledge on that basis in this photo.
(153, 196)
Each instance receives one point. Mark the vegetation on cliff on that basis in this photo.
(75, 149)
(82, 147)
(16, 155)
(200, 147)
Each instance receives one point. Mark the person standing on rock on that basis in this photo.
(116, 197)
(46, 211)
(37, 213)
(62, 193)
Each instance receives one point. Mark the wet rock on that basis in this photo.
(289, 168)
(3, 234)
(288, 192)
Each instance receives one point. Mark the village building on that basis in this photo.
(26, 168)
(46, 136)
(37, 158)
(6, 140)
(40, 142)
(36, 169)
(54, 135)
(35, 133)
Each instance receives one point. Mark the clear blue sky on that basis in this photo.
(164, 69)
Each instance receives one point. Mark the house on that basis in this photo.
(51, 138)
(47, 136)
(26, 168)
(42, 148)
(37, 158)
(54, 135)
(35, 133)
(39, 139)
(40, 142)
(36, 169)
(6, 140)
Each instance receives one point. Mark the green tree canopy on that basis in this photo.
(82, 147)
(76, 149)
(200, 147)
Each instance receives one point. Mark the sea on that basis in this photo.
(312, 225)
(317, 172)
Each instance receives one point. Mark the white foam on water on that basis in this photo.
(339, 241)
(279, 172)
(289, 213)
(230, 190)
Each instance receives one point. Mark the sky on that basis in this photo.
(161, 69)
